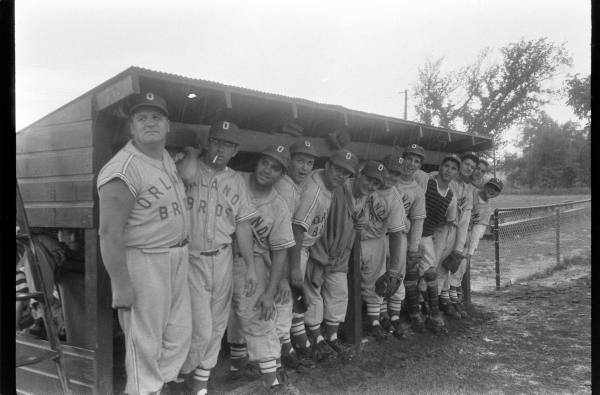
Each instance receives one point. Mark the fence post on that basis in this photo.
(497, 247)
(466, 283)
(557, 236)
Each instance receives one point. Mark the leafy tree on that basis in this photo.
(487, 97)
(554, 156)
(579, 96)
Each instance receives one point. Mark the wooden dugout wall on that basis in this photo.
(59, 157)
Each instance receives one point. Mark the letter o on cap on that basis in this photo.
(280, 148)
(150, 96)
(380, 167)
(307, 143)
(348, 156)
(226, 125)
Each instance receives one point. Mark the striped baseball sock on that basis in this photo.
(394, 306)
(286, 346)
(452, 293)
(314, 331)
(268, 372)
(200, 380)
(331, 330)
(238, 354)
(445, 296)
(373, 310)
(459, 294)
(383, 312)
(298, 332)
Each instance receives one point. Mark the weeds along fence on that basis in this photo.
(528, 240)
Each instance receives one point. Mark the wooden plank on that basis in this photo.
(65, 216)
(352, 327)
(31, 380)
(99, 318)
(55, 137)
(78, 110)
(116, 92)
(56, 163)
(57, 189)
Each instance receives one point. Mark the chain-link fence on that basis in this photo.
(528, 240)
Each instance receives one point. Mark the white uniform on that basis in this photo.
(157, 328)
(218, 201)
(272, 231)
(290, 192)
(383, 213)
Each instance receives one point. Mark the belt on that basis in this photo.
(213, 252)
(182, 243)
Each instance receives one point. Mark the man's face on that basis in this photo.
(410, 164)
(300, 167)
(392, 177)
(268, 171)
(490, 191)
(335, 174)
(220, 152)
(479, 171)
(448, 170)
(148, 126)
(366, 185)
(466, 167)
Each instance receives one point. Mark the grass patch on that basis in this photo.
(580, 259)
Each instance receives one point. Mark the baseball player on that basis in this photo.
(143, 233)
(457, 233)
(219, 206)
(383, 213)
(252, 329)
(400, 173)
(480, 220)
(303, 155)
(478, 179)
(441, 209)
(308, 223)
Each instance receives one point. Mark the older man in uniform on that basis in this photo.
(143, 240)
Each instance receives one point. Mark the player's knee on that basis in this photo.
(430, 274)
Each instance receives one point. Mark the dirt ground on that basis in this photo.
(531, 337)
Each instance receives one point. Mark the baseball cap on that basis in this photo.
(481, 160)
(345, 159)
(415, 149)
(181, 138)
(279, 153)
(303, 147)
(375, 170)
(393, 161)
(470, 155)
(225, 130)
(148, 99)
(452, 157)
(496, 183)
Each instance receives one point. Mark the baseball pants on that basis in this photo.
(245, 325)
(327, 297)
(431, 249)
(158, 326)
(446, 247)
(373, 254)
(211, 284)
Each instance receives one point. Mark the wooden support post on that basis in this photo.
(466, 284)
(352, 329)
(497, 248)
(99, 317)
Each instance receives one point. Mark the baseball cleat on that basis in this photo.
(322, 351)
(460, 308)
(449, 309)
(398, 331)
(417, 322)
(436, 324)
(377, 332)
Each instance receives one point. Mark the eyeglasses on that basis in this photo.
(222, 143)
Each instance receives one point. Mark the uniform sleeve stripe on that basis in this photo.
(302, 224)
(398, 229)
(246, 217)
(422, 216)
(283, 246)
(120, 176)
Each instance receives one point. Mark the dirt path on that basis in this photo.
(532, 337)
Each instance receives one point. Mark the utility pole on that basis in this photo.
(405, 101)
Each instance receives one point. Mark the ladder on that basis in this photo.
(37, 291)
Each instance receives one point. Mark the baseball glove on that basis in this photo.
(298, 300)
(388, 284)
(452, 261)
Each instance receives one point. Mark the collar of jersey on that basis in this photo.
(135, 151)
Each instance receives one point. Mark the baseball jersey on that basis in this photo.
(272, 226)
(218, 200)
(463, 192)
(413, 199)
(384, 212)
(312, 210)
(440, 208)
(289, 191)
(482, 210)
(159, 218)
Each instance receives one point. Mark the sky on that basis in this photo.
(358, 54)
